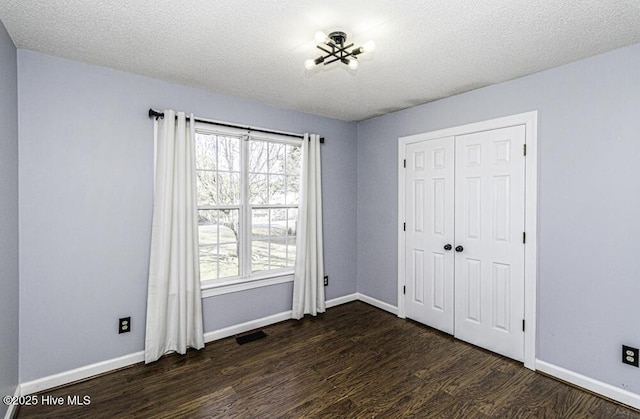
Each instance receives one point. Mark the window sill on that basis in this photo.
(236, 285)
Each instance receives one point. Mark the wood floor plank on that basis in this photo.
(355, 361)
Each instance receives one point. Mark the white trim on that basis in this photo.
(377, 303)
(531, 245)
(488, 125)
(81, 373)
(604, 389)
(12, 407)
(89, 371)
(246, 326)
(245, 284)
(266, 321)
(530, 121)
(341, 300)
(401, 231)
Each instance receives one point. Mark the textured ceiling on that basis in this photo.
(425, 50)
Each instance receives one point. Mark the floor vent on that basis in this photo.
(250, 337)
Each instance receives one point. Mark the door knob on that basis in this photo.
(447, 247)
(459, 248)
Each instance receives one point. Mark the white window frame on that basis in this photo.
(250, 280)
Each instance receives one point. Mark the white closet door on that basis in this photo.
(489, 223)
(429, 228)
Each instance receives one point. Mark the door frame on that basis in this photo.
(530, 122)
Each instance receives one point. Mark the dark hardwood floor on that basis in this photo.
(353, 361)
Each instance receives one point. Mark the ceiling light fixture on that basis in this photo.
(335, 49)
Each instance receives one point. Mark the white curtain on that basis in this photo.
(174, 305)
(308, 282)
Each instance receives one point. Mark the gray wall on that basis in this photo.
(86, 162)
(589, 201)
(8, 217)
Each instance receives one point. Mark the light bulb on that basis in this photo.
(309, 64)
(369, 46)
(320, 37)
(353, 64)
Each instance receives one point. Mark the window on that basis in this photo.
(248, 190)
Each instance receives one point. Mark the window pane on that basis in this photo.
(293, 190)
(228, 188)
(260, 224)
(208, 262)
(218, 226)
(259, 240)
(218, 238)
(276, 158)
(258, 189)
(206, 186)
(207, 227)
(228, 260)
(276, 189)
(293, 160)
(273, 244)
(229, 154)
(291, 252)
(278, 238)
(278, 254)
(206, 151)
(259, 255)
(257, 157)
(229, 226)
(278, 223)
(292, 222)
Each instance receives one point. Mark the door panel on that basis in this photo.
(429, 218)
(489, 219)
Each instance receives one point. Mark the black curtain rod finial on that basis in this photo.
(155, 114)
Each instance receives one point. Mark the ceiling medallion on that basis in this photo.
(334, 49)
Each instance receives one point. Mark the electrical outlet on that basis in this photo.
(326, 280)
(630, 355)
(124, 325)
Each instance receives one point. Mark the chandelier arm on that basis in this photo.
(344, 48)
(337, 53)
(333, 60)
(336, 49)
(350, 55)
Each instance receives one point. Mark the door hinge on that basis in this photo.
(523, 325)
(524, 237)
(404, 289)
(405, 163)
(525, 149)
(404, 226)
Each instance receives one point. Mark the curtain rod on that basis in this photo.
(155, 114)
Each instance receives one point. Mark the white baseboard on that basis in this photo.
(246, 326)
(46, 383)
(341, 300)
(88, 371)
(377, 303)
(11, 410)
(266, 321)
(604, 389)
(81, 373)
